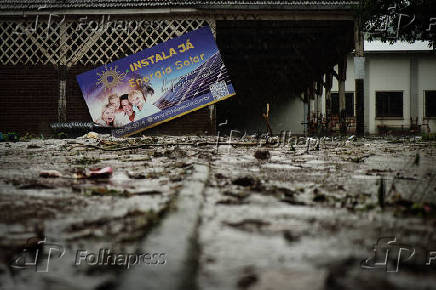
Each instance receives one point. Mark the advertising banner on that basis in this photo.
(157, 84)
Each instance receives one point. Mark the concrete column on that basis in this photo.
(328, 93)
(366, 96)
(414, 107)
(359, 75)
(342, 73)
(319, 98)
(306, 111)
(323, 102)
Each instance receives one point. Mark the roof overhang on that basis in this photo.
(28, 7)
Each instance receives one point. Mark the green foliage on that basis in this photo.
(393, 20)
(27, 137)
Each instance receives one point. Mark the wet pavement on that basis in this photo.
(191, 213)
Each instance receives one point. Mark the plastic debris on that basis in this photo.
(245, 181)
(79, 173)
(50, 174)
(105, 172)
(102, 173)
(90, 135)
(262, 155)
(12, 137)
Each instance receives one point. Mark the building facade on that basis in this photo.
(400, 88)
(45, 44)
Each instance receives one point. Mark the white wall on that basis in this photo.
(288, 115)
(388, 73)
(426, 81)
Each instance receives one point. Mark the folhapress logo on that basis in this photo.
(37, 254)
(389, 254)
(106, 257)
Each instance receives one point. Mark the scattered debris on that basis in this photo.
(204, 156)
(181, 164)
(245, 181)
(309, 142)
(266, 117)
(416, 161)
(244, 199)
(175, 153)
(406, 207)
(248, 278)
(219, 175)
(291, 237)
(377, 171)
(147, 192)
(248, 224)
(262, 155)
(231, 201)
(239, 194)
(318, 197)
(97, 173)
(138, 159)
(37, 186)
(84, 160)
(104, 190)
(136, 175)
(91, 135)
(79, 173)
(50, 174)
(356, 158)
(11, 137)
(381, 193)
(158, 153)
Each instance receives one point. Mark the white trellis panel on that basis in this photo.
(62, 41)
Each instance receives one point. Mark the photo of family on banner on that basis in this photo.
(157, 84)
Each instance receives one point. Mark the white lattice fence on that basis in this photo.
(86, 41)
(28, 42)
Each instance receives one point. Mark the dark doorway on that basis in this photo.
(274, 62)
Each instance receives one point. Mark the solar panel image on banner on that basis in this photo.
(196, 83)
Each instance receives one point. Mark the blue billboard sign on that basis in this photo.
(157, 84)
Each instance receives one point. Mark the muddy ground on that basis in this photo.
(258, 214)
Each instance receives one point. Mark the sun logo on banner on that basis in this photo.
(110, 77)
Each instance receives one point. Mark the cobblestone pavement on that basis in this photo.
(188, 213)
